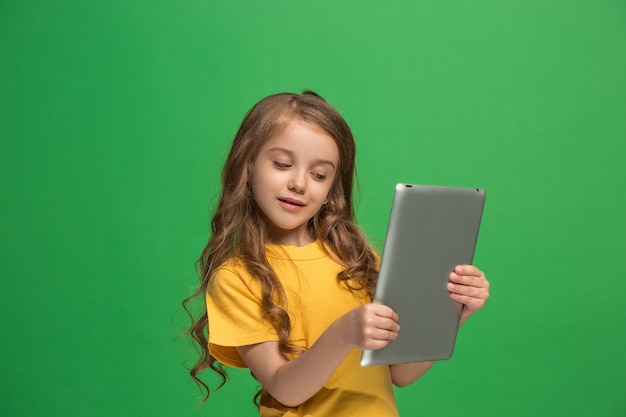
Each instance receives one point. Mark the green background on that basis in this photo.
(116, 116)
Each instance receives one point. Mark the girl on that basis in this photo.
(289, 276)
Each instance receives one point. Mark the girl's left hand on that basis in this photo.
(469, 286)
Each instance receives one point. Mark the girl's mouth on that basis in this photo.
(290, 203)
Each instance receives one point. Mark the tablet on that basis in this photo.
(431, 230)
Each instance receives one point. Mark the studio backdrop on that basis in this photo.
(115, 119)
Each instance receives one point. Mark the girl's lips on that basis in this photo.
(291, 203)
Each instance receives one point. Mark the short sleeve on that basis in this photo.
(234, 313)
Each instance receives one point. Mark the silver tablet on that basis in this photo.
(431, 230)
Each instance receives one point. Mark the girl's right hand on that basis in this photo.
(370, 326)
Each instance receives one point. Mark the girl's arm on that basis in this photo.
(371, 326)
(407, 373)
(469, 286)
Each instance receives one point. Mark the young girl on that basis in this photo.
(289, 276)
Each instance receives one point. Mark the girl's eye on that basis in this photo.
(281, 165)
(318, 176)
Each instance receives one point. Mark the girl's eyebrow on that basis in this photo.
(290, 153)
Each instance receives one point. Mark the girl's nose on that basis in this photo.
(297, 184)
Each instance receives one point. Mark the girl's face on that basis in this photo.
(291, 178)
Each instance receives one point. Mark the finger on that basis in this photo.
(469, 280)
(469, 291)
(472, 303)
(382, 334)
(384, 311)
(468, 270)
(379, 317)
(387, 324)
(389, 335)
(376, 338)
(471, 296)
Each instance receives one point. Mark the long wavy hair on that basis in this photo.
(237, 228)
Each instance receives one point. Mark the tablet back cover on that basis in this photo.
(431, 230)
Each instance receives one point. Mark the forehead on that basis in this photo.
(303, 138)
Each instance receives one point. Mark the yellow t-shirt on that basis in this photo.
(315, 299)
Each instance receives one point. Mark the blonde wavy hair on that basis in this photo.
(237, 228)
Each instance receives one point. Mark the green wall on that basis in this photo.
(115, 117)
